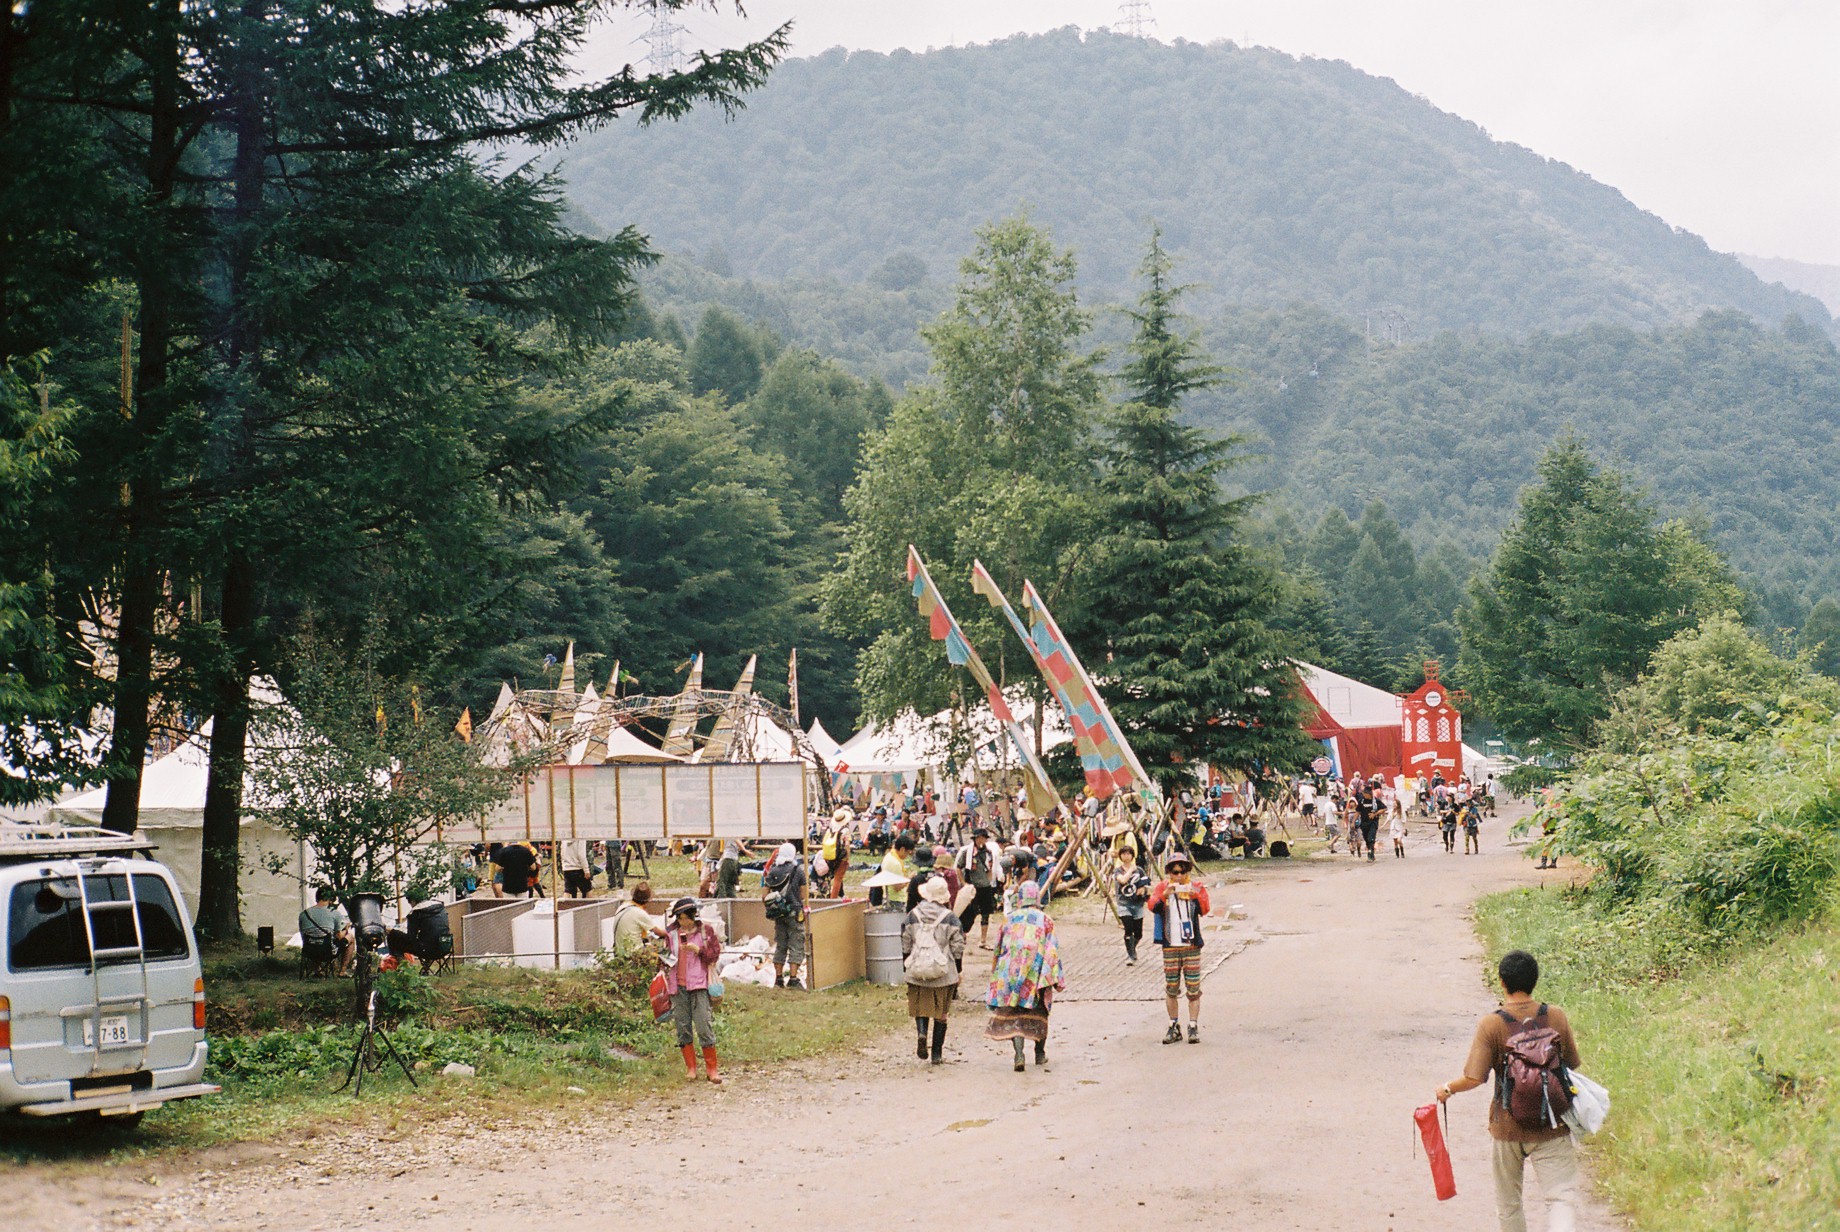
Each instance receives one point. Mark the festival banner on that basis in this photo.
(945, 629)
(1105, 755)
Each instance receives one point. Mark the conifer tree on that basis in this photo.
(1583, 588)
(1191, 664)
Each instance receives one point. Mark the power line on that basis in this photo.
(1135, 18)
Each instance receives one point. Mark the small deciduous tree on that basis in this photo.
(364, 777)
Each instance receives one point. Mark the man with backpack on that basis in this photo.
(981, 863)
(784, 886)
(1529, 1048)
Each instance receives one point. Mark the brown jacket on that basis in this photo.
(1488, 1054)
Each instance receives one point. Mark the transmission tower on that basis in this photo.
(663, 52)
(1135, 18)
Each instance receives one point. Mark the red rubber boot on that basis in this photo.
(709, 1063)
(689, 1061)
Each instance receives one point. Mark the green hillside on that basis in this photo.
(1275, 180)
(1721, 419)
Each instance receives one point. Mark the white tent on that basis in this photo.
(172, 816)
(910, 743)
(821, 740)
(623, 746)
(1347, 700)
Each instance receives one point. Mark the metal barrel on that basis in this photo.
(882, 946)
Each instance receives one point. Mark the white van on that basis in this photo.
(102, 993)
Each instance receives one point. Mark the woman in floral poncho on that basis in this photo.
(1025, 973)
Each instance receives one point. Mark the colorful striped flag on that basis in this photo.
(959, 652)
(1105, 755)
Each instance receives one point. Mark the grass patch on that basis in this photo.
(1722, 1071)
(280, 1045)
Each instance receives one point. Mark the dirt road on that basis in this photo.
(1355, 998)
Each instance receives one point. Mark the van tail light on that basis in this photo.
(6, 1024)
(198, 1005)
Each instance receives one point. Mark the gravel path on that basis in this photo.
(1349, 993)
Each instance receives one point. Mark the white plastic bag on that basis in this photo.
(1590, 1104)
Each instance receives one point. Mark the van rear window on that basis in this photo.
(45, 922)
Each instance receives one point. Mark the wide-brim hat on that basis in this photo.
(1121, 826)
(844, 815)
(885, 879)
(685, 904)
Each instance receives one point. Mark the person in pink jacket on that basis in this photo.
(691, 951)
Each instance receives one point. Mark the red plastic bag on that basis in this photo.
(1433, 1136)
(661, 1000)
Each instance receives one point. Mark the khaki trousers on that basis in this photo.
(1556, 1163)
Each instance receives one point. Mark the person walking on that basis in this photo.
(932, 953)
(1178, 903)
(1548, 1147)
(691, 951)
(1370, 807)
(1472, 828)
(980, 861)
(784, 886)
(1130, 890)
(1025, 973)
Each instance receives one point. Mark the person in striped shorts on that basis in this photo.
(1177, 905)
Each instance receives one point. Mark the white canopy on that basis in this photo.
(172, 815)
(623, 746)
(910, 743)
(821, 740)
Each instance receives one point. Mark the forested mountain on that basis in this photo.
(1820, 281)
(1722, 419)
(1275, 180)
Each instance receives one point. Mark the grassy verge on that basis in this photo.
(280, 1046)
(1723, 1079)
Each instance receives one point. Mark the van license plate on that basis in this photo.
(114, 1031)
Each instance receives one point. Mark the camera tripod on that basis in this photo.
(365, 1057)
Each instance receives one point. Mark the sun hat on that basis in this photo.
(844, 815)
(684, 904)
(935, 890)
(1121, 826)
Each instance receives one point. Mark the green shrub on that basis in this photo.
(404, 993)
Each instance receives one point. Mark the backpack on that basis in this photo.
(782, 902)
(977, 871)
(928, 960)
(830, 847)
(1532, 1086)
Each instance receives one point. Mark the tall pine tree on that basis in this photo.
(1196, 671)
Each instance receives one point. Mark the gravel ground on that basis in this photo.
(1347, 994)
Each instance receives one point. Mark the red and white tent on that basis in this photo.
(1358, 724)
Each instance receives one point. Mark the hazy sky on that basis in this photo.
(1721, 116)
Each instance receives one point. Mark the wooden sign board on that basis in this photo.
(620, 801)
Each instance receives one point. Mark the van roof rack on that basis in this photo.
(22, 843)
